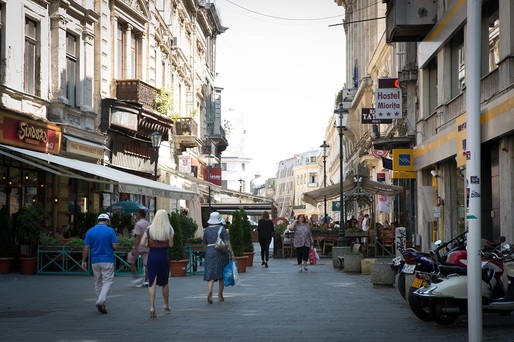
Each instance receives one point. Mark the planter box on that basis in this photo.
(178, 268)
(382, 274)
(366, 265)
(352, 262)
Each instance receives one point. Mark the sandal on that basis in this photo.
(209, 298)
(152, 313)
(220, 297)
(167, 309)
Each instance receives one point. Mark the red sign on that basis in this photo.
(379, 153)
(214, 175)
(18, 131)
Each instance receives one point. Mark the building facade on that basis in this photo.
(92, 81)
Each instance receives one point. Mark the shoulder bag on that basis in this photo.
(221, 245)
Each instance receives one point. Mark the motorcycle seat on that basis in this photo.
(447, 270)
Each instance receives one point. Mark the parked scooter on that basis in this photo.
(447, 296)
(412, 260)
(454, 262)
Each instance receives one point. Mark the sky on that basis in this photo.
(280, 69)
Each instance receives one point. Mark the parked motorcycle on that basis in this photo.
(447, 296)
(412, 260)
(453, 262)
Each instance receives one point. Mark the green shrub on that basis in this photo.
(236, 233)
(177, 251)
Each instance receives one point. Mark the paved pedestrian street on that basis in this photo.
(272, 304)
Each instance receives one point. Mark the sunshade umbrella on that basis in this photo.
(125, 207)
(195, 210)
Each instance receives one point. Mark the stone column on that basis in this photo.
(58, 57)
(87, 71)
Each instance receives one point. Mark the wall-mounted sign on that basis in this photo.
(30, 134)
(214, 175)
(368, 117)
(124, 119)
(388, 99)
(403, 160)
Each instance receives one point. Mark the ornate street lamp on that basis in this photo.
(155, 137)
(341, 117)
(324, 147)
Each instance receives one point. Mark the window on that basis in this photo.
(223, 166)
(119, 52)
(128, 50)
(431, 71)
(71, 69)
(243, 166)
(313, 177)
(313, 159)
(31, 84)
(458, 77)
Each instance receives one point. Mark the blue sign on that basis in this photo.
(404, 160)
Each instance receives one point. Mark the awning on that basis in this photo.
(127, 182)
(251, 209)
(332, 191)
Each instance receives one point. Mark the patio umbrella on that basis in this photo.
(195, 210)
(125, 207)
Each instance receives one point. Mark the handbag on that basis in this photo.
(221, 245)
(144, 239)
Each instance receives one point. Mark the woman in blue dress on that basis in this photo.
(160, 237)
(215, 260)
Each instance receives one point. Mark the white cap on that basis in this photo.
(103, 217)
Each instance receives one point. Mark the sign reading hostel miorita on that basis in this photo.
(388, 102)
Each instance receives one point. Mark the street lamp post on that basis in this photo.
(155, 137)
(341, 116)
(324, 147)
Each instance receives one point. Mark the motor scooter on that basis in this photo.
(412, 260)
(453, 261)
(447, 296)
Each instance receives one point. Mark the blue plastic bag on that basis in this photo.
(228, 273)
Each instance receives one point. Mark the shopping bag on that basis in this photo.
(228, 276)
(235, 274)
(312, 257)
(317, 255)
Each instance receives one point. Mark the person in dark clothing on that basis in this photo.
(266, 229)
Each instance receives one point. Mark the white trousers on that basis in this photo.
(104, 275)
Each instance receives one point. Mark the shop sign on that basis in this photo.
(33, 135)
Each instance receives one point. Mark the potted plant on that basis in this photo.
(236, 240)
(30, 223)
(6, 241)
(247, 239)
(178, 263)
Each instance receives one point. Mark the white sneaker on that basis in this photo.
(145, 284)
(136, 282)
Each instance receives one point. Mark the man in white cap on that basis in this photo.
(102, 241)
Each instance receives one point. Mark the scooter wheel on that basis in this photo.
(436, 311)
(401, 284)
(419, 306)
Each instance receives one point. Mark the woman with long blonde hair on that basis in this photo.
(160, 237)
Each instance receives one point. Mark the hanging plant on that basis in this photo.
(164, 101)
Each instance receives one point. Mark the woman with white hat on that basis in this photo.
(215, 260)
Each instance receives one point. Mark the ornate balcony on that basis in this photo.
(136, 91)
(186, 132)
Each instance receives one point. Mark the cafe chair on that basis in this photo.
(388, 241)
(287, 245)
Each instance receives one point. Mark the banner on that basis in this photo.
(184, 164)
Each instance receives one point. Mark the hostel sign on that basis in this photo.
(388, 99)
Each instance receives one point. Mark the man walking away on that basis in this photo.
(102, 241)
(137, 249)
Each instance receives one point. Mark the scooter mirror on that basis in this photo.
(502, 239)
(438, 243)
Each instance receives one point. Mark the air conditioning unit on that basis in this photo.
(103, 187)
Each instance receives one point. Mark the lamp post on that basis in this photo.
(324, 147)
(155, 137)
(341, 116)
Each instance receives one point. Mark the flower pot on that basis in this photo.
(249, 260)
(6, 265)
(241, 263)
(28, 265)
(178, 268)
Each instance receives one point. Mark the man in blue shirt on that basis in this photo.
(102, 241)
